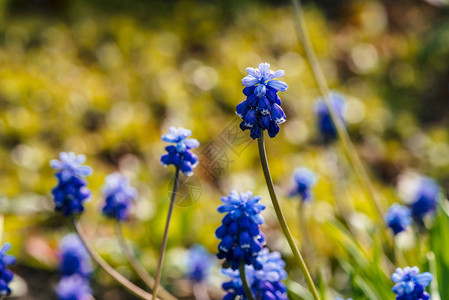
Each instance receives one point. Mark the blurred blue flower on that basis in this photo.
(119, 196)
(398, 218)
(266, 283)
(241, 238)
(410, 284)
(304, 180)
(74, 257)
(262, 108)
(73, 288)
(6, 275)
(325, 124)
(179, 154)
(71, 191)
(426, 198)
(199, 262)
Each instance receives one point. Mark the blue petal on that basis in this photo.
(264, 106)
(273, 130)
(277, 114)
(264, 121)
(278, 85)
(191, 143)
(256, 132)
(250, 80)
(250, 118)
(260, 90)
(242, 109)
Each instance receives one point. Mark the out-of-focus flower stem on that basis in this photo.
(282, 221)
(341, 129)
(136, 265)
(165, 237)
(2, 224)
(248, 292)
(200, 291)
(131, 287)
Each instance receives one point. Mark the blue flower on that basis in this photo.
(325, 124)
(398, 218)
(199, 262)
(74, 257)
(241, 238)
(262, 108)
(119, 196)
(304, 181)
(179, 154)
(425, 199)
(6, 275)
(71, 191)
(410, 284)
(266, 282)
(73, 288)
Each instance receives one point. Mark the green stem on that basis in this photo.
(106, 267)
(282, 222)
(339, 125)
(165, 237)
(136, 265)
(248, 292)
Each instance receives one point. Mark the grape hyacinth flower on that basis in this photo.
(262, 108)
(410, 284)
(325, 124)
(241, 238)
(6, 275)
(265, 283)
(199, 262)
(304, 180)
(179, 154)
(74, 257)
(73, 288)
(71, 191)
(426, 198)
(119, 196)
(398, 218)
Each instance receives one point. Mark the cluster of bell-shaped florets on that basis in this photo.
(265, 284)
(6, 275)
(262, 108)
(71, 191)
(410, 284)
(421, 193)
(240, 235)
(119, 196)
(398, 218)
(304, 180)
(179, 154)
(199, 262)
(76, 269)
(325, 124)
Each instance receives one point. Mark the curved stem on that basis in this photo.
(282, 222)
(245, 285)
(200, 291)
(131, 287)
(136, 265)
(165, 237)
(303, 229)
(345, 140)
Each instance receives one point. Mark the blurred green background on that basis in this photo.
(107, 78)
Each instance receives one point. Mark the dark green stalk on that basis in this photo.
(282, 222)
(248, 292)
(165, 237)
